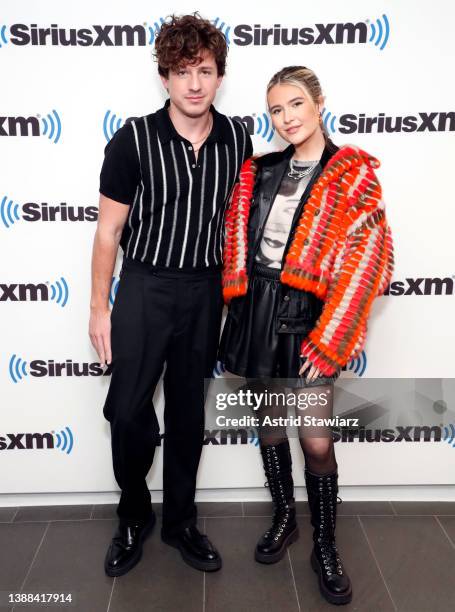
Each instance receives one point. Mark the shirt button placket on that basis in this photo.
(193, 164)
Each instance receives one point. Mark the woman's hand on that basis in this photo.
(313, 373)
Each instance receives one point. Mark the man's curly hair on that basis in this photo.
(181, 40)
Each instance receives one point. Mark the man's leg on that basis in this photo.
(141, 331)
(191, 358)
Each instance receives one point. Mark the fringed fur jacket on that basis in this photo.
(340, 250)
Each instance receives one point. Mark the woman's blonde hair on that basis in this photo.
(302, 77)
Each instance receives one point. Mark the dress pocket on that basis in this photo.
(296, 314)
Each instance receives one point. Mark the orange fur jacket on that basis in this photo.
(342, 251)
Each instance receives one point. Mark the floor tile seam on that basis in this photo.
(445, 531)
(110, 597)
(377, 563)
(293, 581)
(33, 561)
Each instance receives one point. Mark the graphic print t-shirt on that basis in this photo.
(279, 221)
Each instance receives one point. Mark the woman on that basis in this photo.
(307, 250)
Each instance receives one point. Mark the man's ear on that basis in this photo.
(165, 82)
(219, 81)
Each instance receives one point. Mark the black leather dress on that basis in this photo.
(265, 328)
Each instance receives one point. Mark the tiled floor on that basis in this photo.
(400, 556)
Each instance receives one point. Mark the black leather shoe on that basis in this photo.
(196, 549)
(125, 550)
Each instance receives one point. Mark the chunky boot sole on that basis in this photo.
(279, 554)
(134, 560)
(330, 596)
(203, 566)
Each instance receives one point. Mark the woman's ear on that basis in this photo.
(321, 103)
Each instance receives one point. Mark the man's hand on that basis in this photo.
(111, 219)
(100, 333)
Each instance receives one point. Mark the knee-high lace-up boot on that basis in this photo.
(283, 531)
(334, 583)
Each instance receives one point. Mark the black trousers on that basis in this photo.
(161, 316)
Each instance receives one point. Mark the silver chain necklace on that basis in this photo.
(298, 174)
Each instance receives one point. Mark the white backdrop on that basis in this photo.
(59, 105)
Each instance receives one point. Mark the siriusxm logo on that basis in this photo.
(32, 292)
(19, 369)
(357, 365)
(400, 433)
(21, 34)
(113, 291)
(62, 440)
(448, 434)
(350, 123)
(218, 370)
(48, 125)
(257, 124)
(139, 35)
(223, 27)
(222, 437)
(421, 286)
(375, 32)
(112, 123)
(11, 212)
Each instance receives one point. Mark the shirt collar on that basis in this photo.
(167, 131)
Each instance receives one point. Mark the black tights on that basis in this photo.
(316, 442)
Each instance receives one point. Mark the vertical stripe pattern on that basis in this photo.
(176, 216)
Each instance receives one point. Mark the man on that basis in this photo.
(164, 185)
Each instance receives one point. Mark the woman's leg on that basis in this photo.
(277, 462)
(321, 477)
(316, 441)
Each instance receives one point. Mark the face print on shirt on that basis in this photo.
(279, 221)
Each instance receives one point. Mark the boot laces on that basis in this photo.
(330, 558)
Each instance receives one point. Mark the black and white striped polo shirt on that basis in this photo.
(176, 203)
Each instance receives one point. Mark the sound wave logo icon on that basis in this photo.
(357, 365)
(3, 39)
(264, 127)
(64, 440)
(111, 124)
(449, 434)
(60, 291)
(9, 212)
(253, 436)
(155, 29)
(17, 368)
(218, 370)
(52, 126)
(329, 120)
(113, 291)
(380, 32)
(224, 28)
